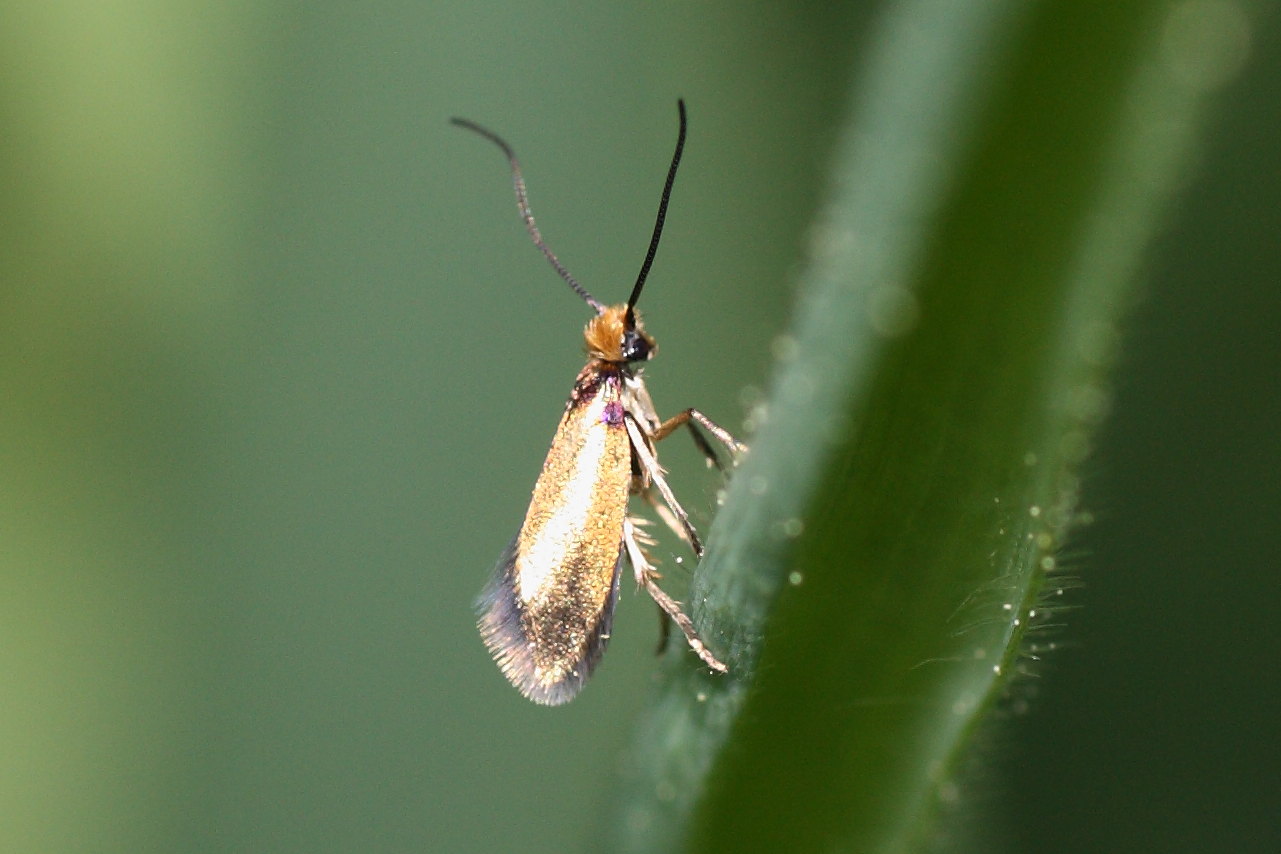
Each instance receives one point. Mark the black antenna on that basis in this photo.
(522, 203)
(662, 214)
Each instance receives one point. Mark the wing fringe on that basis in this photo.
(500, 620)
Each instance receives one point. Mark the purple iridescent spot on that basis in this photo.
(613, 413)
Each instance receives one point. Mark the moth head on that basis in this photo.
(616, 335)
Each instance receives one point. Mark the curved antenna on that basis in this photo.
(662, 214)
(522, 203)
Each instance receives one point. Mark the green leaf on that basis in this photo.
(887, 553)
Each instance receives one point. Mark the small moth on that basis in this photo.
(546, 613)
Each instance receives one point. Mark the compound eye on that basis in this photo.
(635, 346)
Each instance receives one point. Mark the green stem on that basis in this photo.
(885, 550)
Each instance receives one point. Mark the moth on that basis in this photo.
(546, 613)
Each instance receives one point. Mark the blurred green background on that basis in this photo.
(280, 366)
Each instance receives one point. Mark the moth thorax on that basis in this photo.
(611, 338)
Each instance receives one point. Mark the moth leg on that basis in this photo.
(640, 558)
(664, 630)
(645, 576)
(667, 516)
(640, 446)
(689, 418)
